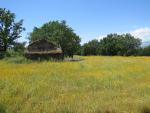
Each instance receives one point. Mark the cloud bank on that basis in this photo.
(142, 33)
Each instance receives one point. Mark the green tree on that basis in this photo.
(59, 33)
(108, 45)
(91, 48)
(128, 45)
(145, 51)
(19, 47)
(9, 29)
(124, 45)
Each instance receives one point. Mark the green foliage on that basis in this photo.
(16, 50)
(19, 48)
(108, 45)
(124, 45)
(9, 29)
(17, 60)
(2, 54)
(91, 48)
(59, 33)
(79, 51)
(11, 53)
(2, 108)
(145, 51)
(113, 44)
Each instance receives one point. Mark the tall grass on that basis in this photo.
(93, 85)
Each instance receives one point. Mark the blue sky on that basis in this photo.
(89, 18)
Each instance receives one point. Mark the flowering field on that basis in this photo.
(94, 85)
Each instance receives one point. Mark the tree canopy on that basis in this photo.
(9, 29)
(113, 44)
(145, 51)
(124, 45)
(64, 36)
(91, 48)
(59, 33)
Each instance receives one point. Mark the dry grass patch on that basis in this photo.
(93, 85)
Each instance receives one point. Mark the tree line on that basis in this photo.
(65, 37)
(113, 44)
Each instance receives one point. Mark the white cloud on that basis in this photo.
(142, 33)
(101, 37)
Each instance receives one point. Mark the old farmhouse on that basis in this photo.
(43, 49)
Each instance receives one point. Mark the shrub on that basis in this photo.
(146, 51)
(17, 60)
(2, 54)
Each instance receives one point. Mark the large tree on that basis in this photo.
(91, 48)
(124, 45)
(59, 33)
(9, 29)
(108, 45)
(145, 51)
(113, 44)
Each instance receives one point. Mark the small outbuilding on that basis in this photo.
(43, 49)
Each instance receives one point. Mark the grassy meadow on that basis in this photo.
(95, 84)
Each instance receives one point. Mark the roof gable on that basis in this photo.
(41, 41)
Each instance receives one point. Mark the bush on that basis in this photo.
(145, 51)
(19, 48)
(12, 53)
(2, 55)
(17, 60)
